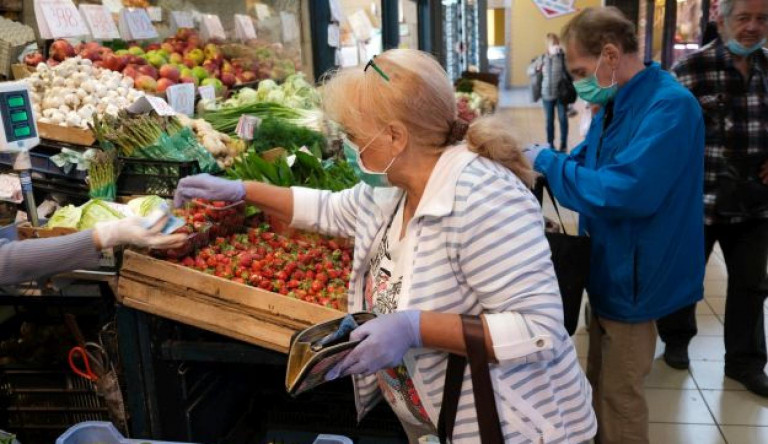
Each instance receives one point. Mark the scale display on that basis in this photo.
(19, 132)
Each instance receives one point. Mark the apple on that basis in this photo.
(113, 62)
(190, 79)
(228, 79)
(136, 50)
(90, 54)
(163, 84)
(176, 58)
(146, 83)
(170, 72)
(131, 71)
(122, 52)
(99, 64)
(137, 60)
(156, 60)
(148, 71)
(227, 67)
(164, 53)
(153, 47)
(61, 50)
(211, 50)
(184, 33)
(92, 45)
(33, 59)
(248, 76)
(200, 72)
(167, 47)
(52, 62)
(210, 66)
(196, 55)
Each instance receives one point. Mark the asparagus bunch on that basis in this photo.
(102, 175)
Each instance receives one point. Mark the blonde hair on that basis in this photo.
(421, 97)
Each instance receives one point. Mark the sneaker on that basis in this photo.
(676, 356)
(756, 382)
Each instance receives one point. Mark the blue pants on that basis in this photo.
(562, 114)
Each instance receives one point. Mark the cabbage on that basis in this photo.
(142, 206)
(65, 217)
(95, 211)
(247, 96)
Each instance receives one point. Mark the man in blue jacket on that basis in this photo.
(637, 183)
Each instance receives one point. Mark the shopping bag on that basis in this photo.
(570, 257)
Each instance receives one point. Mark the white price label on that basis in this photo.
(100, 22)
(155, 13)
(262, 11)
(211, 28)
(290, 27)
(146, 104)
(59, 19)
(336, 14)
(244, 29)
(207, 92)
(181, 19)
(334, 36)
(181, 97)
(114, 6)
(138, 24)
(246, 125)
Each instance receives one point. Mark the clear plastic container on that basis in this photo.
(100, 432)
(332, 439)
(227, 217)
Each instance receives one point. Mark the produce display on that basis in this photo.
(73, 92)
(224, 148)
(308, 267)
(83, 217)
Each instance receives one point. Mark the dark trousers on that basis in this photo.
(745, 250)
(562, 115)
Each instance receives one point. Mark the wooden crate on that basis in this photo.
(246, 313)
(58, 133)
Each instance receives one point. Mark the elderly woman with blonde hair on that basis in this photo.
(442, 227)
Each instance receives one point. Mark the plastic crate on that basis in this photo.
(41, 163)
(100, 432)
(160, 177)
(332, 439)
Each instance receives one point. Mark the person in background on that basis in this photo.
(729, 77)
(443, 225)
(636, 182)
(24, 261)
(552, 65)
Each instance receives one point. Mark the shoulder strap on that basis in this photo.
(454, 377)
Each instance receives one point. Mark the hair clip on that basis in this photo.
(372, 64)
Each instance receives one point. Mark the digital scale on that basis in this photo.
(19, 135)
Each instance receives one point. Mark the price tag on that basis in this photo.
(246, 125)
(244, 29)
(181, 97)
(262, 11)
(146, 104)
(211, 28)
(207, 92)
(114, 6)
(100, 22)
(181, 19)
(336, 14)
(155, 13)
(137, 23)
(290, 27)
(334, 36)
(59, 19)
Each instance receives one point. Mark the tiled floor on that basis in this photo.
(697, 406)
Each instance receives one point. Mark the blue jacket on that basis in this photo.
(640, 200)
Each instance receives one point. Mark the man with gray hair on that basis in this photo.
(729, 77)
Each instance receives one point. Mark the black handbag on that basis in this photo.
(536, 77)
(570, 257)
(740, 191)
(566, 92)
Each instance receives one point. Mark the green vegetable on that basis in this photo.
(102, 177)
(65, 217)
(142, 206)
(95, 211)
(225, 119)
(278, 133)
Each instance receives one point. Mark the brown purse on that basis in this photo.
(485, 400)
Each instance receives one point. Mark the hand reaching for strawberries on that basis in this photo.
(205, 186)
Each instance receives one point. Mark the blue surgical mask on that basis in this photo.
(589, 88)
(372, 178)
(740, 50)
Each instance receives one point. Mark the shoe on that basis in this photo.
(756, 382)
(676, 356)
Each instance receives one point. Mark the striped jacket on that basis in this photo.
(477, 246)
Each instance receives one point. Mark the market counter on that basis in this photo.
(238, 311)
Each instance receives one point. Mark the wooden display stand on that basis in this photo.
(246, 313)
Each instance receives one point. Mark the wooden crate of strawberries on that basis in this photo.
(256, 285)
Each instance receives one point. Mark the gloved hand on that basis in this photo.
(531, 152)
(385, 340)
(134, 231)
(205, 186)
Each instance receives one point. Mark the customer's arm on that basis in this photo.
(36, 258)
(333, 214)
(669, 141)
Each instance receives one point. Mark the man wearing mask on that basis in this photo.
(637, 183)
(729, 77)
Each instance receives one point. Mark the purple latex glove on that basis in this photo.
(205, 186)
(532, 152)
(385, 340)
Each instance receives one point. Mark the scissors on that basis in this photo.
(86, 356)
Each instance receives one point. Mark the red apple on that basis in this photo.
(99, 64)
(163, 84)
(176, 58)
(113, 62)
(131, 71)
(190, 79)
(168, 47)
(61, 49)
(248, 76)
(148, 70)
(33, 59)
(228, 79)
(146, 83)
(170, 72)
(227, 67)
(152, 47)
(90, 54)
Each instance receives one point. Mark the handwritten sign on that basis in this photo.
(155, 13)
(146, 104)
(135, 24)
(181, 97)
(100, 22)
(244, 29)
(59, 19)
(207, 92)
(246, 125)
(211, 28)
(181, 19)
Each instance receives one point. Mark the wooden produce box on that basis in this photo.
(246, 313)
(58, 133)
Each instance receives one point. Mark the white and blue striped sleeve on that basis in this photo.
(506, 260)
(333, 214)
